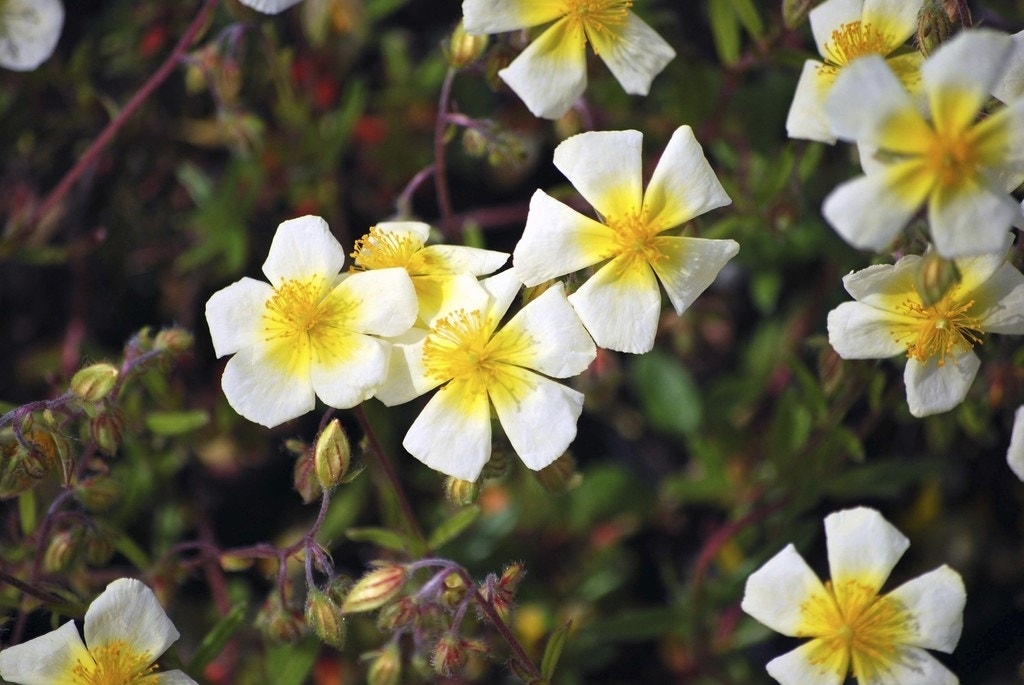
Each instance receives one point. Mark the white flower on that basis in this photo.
(437, 271)
(890, 317)
(843, 31)
(880, 639)
(29, 31)
(479, 366)
(126, 631)
(1011, 86)
(620, 304)
(551, 74)
(270, 6)
(957, 167)
(310, 332)
(1015, 452)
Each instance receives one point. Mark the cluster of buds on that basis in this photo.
(323, 466)
(278, 620)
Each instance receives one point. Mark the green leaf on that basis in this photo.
(291, 664)
(451, 527)
(748, 16)
(27, 512)
(553, 651)
(214, 642)
(382, 537)
(135, 554)
(176, 422)
(668, 394)
(725, 30)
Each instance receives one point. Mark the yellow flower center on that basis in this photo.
(112, 664)
(384, 249)
(460, 347)
(942, 330)
(854, 40)
(952, 158)
(635, 239)
(302, 313)
(858, 631)
(596, 16)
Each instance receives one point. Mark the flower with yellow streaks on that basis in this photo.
(889, 316)
(843, 31)
(29, 31)
(620, 304)
(437, 271)
(311, 332)
(551, 74)
(879, 639)
(126, 631)
(958, 167)
(479, 365)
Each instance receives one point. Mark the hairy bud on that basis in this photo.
(376, 588)
(324, 618)
(560, 476)
(98, 493)
(61, 551)
(386, 668)
(460, 492)
(94, 382)
(462, 49)
(331, 455)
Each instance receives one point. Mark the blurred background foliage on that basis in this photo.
(697, 461)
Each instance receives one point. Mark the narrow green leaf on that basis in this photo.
(176, 422)
(291, 664)
(670, 398)
(725, 30)
(135, 554)
(382, 537)
(214, 642)
(27, 512)
(451, 527)
(748, 16)
(553, 651)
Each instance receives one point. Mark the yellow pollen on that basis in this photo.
(943, 330)
(304, 311)
(854, 40)
(112, 664)
(456, 347)
(596, 16)
(384, 249)
(953, 159)
(635, 239)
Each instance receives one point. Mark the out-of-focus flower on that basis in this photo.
(551, 74)
(436, 270)
(310, 332)
(956, 166)
(1015, 452)
(126, 631)
(270, 6)
(879, 639)
(843, 31)
(1011, 86)
(889, 317)
(620, 304)
(29, 31)
(479, 366)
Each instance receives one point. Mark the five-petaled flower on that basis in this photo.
(551, 74)
(890, 317)
(126, 631)
(437, 271)
(479, 365)
(843, 31)
(960, 168)
(310, 332)
(880, 639)
(620, 304)
(29, 31)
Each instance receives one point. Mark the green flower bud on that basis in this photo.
(454, 590)
(98, 549)
(278, 623)
(935, 25)
(935, 276)
(376, 588)
(324, 618)
(61, 551)
(460, 492)
(94, 382)
(449, 655)
(462, 49)
(174, 340)
(331, 455)
(386, 668)
(107, 431)
(305, 480)
(98, 493)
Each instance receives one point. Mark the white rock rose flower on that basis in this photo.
(29, 31)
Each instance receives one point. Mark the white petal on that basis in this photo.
(936, 600)
(1001, 301)
(557, 240)
(912, 666)
(453, 432)
(417, 230)
(541, 422)
(970, 221)
(683, 184)
(386, 300)
(860, 331)
(1011, 86)
(301, 248)
(933, 389)
(406, 377)
(898, 18)
(803, 666)
(634, 53)
(460, 259)
(775, 592)
(878, 284)
(45, 660)
(269, 6)
(1015, 452)
(559, 345)
(969, 66)
(502, 288)
(830, 16)
(498, 16)
(235, 313)
(865, 97)
(346, 381)
(551, 73)
(128, 611)
(606, 168)
(620, 308)
(263, 392)
(29, 31)
(170, 678)
(868, 212)
(862, 547)
(806, 118)
(690, 266)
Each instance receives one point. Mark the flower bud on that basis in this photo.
(61, 551)
(462, 49)
(499, 465)
(107, 431)
(98, 549)
(376, 588)
(402, 614)
(454, 590)
(98, 493)
(474, 142)
(278, 623)
(935, 276)
(935, 25)
(174, 340)
(94, 382)
(460, 492)
(451, 652)
(306, 482)
(386, 668)
(560, 476)
(511, 576)
(331, 455)
(324, 617)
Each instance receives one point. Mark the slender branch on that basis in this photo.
(403, 205)
(502, 628)
(444, 199)
(115, 125)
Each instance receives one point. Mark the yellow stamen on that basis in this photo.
(854, 40)
(635, 239)
(952, 158)
(384, 249)
(460, 347)
(304, 312)
(112, 664)
(943, 330)
(596, 16)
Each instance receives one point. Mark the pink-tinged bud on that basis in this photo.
(278, 623)
(386, 668)
(324, 618)
(174, 340)
(98, 493)
(61, 551)
(560, 476)
(448, 656)
(107, 431)
(402, 614)
(511, 576)
(331, 455)
(376, 588)
(936, 23)
(98, 549)
(94, 382)
(306, 482)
